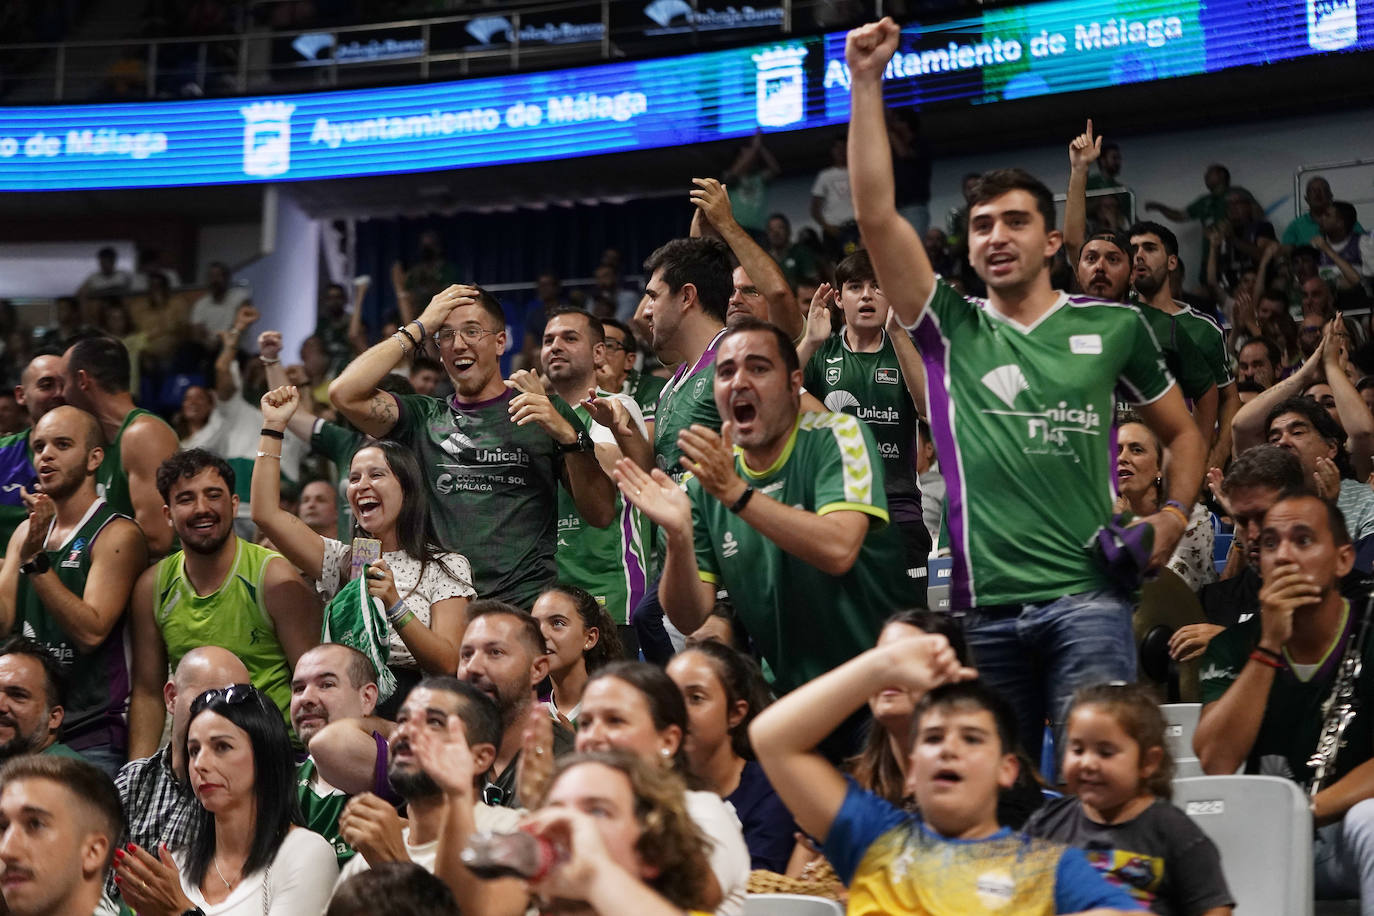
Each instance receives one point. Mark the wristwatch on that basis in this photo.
(583, 443)
(37, 566)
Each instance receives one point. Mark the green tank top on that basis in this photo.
(97, 682)
(233, 616)
(111, 480)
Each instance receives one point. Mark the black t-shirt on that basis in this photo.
(1160, 856)
(1229, 601)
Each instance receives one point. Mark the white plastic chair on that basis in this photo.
(790, 905)
(1263, 830)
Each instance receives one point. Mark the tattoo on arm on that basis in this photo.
(382, 409)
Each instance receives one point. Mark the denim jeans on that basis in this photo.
(1036, 655)
(1343, 857)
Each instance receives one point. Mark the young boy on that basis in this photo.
(953, 857)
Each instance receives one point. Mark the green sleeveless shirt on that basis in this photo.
(233, 616)
(111, 480)
(97, 682)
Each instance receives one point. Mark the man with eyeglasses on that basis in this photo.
(617, 371)
(494, 453)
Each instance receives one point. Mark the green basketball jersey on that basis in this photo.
(233, 616)
(803, 620)
(1210, 339)
(611, 563)
(870, 386)
(493, 489)
(645, 388)
(111, 480)
(97, 682)
(321, 812)
(1022, 421)
(1186, 362)
(689, 397)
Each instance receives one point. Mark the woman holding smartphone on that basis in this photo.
(425, 591)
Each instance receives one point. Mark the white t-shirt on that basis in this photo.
(486, 819)
(418, 592)
(832, 187)
(729, 854)
(300, 880)
(219, 316)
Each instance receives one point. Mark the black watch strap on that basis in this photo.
(583, 443)
(37, 566)
(738, 505)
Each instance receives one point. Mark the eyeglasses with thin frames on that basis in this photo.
(471, 333)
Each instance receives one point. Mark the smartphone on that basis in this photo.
(365, 551)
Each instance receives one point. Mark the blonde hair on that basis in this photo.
(669, 839)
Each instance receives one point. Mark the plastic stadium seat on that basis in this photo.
(1263, 830)
(1180, 721)
(937, 585)
(790, 905)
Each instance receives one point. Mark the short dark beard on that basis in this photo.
(412, 785)
(208, 549)
(21, 744)
(1147, 287)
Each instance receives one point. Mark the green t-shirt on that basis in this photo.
(112, 481)
(98, 682)
(749, 200)
(805, 621)
(611, 563)
(234, 617)
(1021, 417)
(58, 749)
(870, 386)
(1210, 339)
(645, 388)
(321, 812)
(492, 489)
(1293, 718)
(1189, 366)
(689, 397)
(339, 444)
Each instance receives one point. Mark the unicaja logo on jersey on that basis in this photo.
(1007, 382)
(267, 138)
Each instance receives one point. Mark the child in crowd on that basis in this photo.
(1117, 765)
(952, 856)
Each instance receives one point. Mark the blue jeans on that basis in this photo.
(1037, 655)
(1343, 857)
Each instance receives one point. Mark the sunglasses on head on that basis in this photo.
(233, 695)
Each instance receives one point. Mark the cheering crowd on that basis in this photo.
(406, 629)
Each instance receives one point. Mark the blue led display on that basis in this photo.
(1006, 53)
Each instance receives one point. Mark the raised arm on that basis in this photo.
(147, 443)
(294, 608)
(899, 257)
(1247, 429)
(148, 670)
(1083, 152)
(711, 198)
(1170, 213)
(302, 422)
(817, 323)
(1356, 419)
(786, 734)
(292, 537)
(355, 391)
(345, 753)
(357, 333)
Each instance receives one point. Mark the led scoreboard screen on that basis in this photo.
(1003, 54)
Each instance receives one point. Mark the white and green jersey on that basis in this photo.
(1210, 339)
(805, 621)
(870, 386)
(611, 563)
(1022, 421)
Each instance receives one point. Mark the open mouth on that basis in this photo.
(947, 777)
(204, 525)
(463, 363)
(743, 412)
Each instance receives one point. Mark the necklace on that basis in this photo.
(227, 885)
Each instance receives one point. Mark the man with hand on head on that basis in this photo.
(786, 511)
(155, 789)
(1021, 395)
(496, 452)
(60, 823)
(66, 580)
